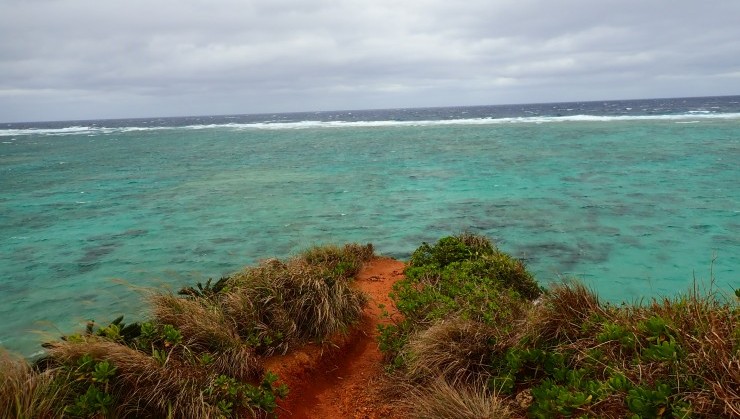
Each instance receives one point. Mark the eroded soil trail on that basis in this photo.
(342, 380)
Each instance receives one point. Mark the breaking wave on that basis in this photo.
(692, 117)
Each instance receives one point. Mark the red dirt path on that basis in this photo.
(343, 379)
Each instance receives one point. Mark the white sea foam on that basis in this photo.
(135, 129)
(691, 116)
(48, 131)
(466, 121)
(37, 354)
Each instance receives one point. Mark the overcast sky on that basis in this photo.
(87, 59)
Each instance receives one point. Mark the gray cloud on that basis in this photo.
(65, 59)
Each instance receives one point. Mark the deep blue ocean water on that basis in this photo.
(637, 198)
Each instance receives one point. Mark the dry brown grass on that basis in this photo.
(173, 369)
(456, 349)
(320, 305)
(348, 259)
(708, 333)
(26, 393)
(443, 400)
(275, 304)
(475, 241)
(558, 316)
(307, 297)
(689, 343)
(142, 387)
(204, 326)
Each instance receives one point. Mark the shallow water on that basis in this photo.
(635, 207)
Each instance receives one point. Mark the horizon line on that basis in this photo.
(357, 110)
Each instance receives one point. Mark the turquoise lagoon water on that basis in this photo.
(92, 215)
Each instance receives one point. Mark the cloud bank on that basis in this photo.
(84, 59)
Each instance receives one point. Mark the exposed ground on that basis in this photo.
(343, 379)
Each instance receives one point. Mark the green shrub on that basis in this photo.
(460, 276)
(649, 402)
(663, 351)
(197, 356)
(567, 354)
(474, 256)
(618, 333)
(553, 400)
(96, 377)
(227, 394)
(111, 379)
(207, 291)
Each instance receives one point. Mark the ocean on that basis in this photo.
(636, 198)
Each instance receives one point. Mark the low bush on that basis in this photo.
(154, 375)
(469, 317)
(199, 356)
(460, 276)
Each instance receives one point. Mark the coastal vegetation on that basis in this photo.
(477, 338)
(472, 335)
(201, 353)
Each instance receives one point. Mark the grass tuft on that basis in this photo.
(561, 313)
(456, 349)
(142, 387)
(27, 393)
(308, 297)
(203, 324)
(443, 400)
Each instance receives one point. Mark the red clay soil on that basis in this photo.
(343, 379)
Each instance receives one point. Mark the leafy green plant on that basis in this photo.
(392, 339)
(229, 393)
(649, 402)
(160, 355)
(148, 335)
(619, 382)
(171, 335)
(616, 332)
(209, 290)
(524, 363)
(656, 329)
(117, 331)
(463, 276)
(206, 359)
(92, 403)
(663, 351)
(103, 372)
(92, 377)
(551, 399)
